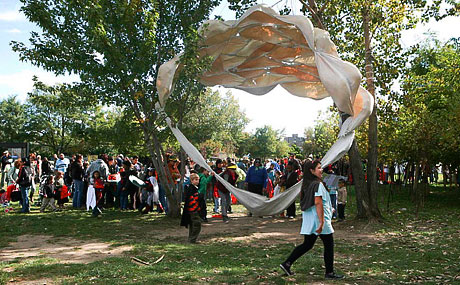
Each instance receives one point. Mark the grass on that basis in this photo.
(402, 249)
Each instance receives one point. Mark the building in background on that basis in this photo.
(295, 139)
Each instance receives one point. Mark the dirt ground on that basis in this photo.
(262, 231)
(66, 250)
(251, 230)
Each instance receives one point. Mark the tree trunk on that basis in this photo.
(372, 151)
(358, 178)
(154, 148)
(417, 190)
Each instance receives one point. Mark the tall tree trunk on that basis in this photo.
(360, 182)
(417, 190)
(162, 169)
(372, 151)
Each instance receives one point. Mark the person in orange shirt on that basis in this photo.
(172, 167)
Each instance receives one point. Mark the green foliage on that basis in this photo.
(12, 121)
(297, 151)
(215, 118)
(58, 117)
(268, 143)
(426, 118)
(320, 138)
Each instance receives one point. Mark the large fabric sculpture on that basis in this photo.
(264, 49)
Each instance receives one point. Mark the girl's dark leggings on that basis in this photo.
(309, 242)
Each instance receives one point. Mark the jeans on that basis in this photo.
(124, 199)
(76, 201)
(334, 204)
(309, 242)
(25, 198)
(162, 197)
(225, 201)
(216, 204)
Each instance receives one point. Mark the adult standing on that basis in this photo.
(316, 220)
(256, 178)
(46, 167)
(99, 165)
(77, 173)
(111, 188)
(288, 180)
(6, 160)
(25, 181)
(61, 163)
(230, 176)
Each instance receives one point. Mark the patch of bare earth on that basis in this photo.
(261, 231)
(66, 250)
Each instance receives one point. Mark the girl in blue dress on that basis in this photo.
(315, 203)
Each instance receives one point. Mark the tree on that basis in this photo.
(117, 47)
(12, 120)
(58, 117)
(426, 115)
(265, 142)
(217, 118)
(320, 138)
(367, 34)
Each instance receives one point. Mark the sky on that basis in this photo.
(278, 109)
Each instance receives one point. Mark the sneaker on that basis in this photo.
(226, 219)
(286, 268)
(333, 275)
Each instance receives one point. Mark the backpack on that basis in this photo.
(25, 176)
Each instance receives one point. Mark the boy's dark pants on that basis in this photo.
(202, 204)
(341, 210)
(194, 228)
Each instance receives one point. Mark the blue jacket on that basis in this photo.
(257, 176)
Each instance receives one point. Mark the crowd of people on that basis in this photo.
(127, 184)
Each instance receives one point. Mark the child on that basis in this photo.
(59, 185)
(205, 178)
(149, 193)
(190, 215)
(342, 199)
(98, 185)
(48, 194)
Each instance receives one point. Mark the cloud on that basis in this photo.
(12, 16)
(14, 31)
(20, 83)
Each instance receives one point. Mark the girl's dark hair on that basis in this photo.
(310, 165)
(95, 172)
(308, 177)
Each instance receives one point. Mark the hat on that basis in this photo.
(5, 151)
(231, 166)
(310, 156)
(257, 160)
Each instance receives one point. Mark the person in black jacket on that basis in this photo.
(190, 215)
(290, 179)
(25, 181)
(126, 186)
(77, 173)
